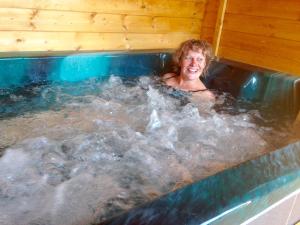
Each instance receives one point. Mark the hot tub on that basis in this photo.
(95, 138)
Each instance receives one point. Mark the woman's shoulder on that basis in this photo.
(168, 76)
(170, 79)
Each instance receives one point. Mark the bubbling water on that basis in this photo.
(114, 146)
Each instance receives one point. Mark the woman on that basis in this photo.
(191, 61)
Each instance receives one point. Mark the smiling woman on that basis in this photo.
(191, 61)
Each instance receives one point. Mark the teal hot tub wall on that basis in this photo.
(249, 84)
(277, 91)
(22, 71)
(229, 197)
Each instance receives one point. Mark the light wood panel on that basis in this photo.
(163, 24)
(72, 41)
(169, 8)
(49, 20)
(264, 26)
(263, 33)
(209, 20)
(249, 57)
(271, 53)
(210, 13)
(219, 26)
(56, 25)
(207, 33)
(284, 9)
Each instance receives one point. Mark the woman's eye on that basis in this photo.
(187, 58)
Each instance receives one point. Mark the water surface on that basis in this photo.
(79, 153)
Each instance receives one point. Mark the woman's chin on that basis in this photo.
(192, 76)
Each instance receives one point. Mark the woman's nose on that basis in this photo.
(194, 61)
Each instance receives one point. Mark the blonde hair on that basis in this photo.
(194, 45)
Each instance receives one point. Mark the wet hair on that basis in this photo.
(194, 45)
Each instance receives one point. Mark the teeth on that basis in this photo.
(193, 70)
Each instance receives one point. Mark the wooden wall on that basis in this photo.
(264, 33)
(209, 20)
(63, 25)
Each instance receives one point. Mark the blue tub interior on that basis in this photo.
(275, 89)
(20, 71)
(234, 194)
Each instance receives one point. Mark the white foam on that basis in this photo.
(106, 153)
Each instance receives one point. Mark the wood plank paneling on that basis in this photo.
(264, 26)
(168, 8)
(167, 24)
(48, 20)
(270, 62)
(262, 46)
(211, 13)
(209, 20)
(158, 41)
(207, 33)
(271, 53)
(263, 33)
(55, 25)
(212, 5)
(72, 41)
(219, 26)
(284, 9)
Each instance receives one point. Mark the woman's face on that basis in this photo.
(192, 65)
